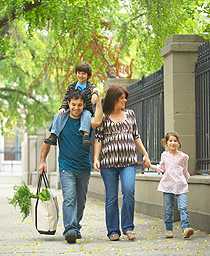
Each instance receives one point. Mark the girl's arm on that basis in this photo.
(157, 168)
(141, 149)
(97, 151)
(185, 169)
(160, 168)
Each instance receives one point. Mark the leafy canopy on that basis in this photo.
(42, 40)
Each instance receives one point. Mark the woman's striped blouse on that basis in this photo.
(118, 141)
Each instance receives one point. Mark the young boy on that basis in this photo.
(83, 73)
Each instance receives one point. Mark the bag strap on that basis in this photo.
(43, 177)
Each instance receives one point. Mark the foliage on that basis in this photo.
(147, 24)
(22, 198)
(42, 40)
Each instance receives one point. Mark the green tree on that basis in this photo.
(42, 40)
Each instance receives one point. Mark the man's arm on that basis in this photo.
(45, 148)
(97, 118)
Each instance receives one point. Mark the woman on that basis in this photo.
(116, 141)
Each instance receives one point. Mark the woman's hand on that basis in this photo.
(96, 165)
(146, 161)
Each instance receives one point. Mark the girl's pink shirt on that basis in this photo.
(175, 169)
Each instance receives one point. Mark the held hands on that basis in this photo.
(157, 168)
(42, 167)
(62, 111)
(96, 165)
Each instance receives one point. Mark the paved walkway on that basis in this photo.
(17, 238)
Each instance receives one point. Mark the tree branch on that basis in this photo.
(13, 90)
(14, 13)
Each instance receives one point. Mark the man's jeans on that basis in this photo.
(74, 189)
(182, 202)
(59, 122)
(111, 181)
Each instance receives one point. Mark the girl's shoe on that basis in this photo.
(114, 237)
(169, 234)
(130, 235)
(188, 232)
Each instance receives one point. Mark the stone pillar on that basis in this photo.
(180, 55)
(125, 82)
(25, 160)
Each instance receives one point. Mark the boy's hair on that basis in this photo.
(167, 136)
(84, 67)
(112, 95)
(75, 94)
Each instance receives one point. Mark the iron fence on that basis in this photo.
(146, 98)
(202, 95)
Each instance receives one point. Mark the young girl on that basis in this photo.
(173, 184)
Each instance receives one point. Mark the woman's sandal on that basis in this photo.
(114, 237)
(130, 235)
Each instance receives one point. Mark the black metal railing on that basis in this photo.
(146, 98)
(202, 95)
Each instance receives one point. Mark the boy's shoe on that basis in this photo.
(169, 234)
(130, 235)
(79, 236)
(71, 237)
(188, 232)
(51, 140)
(114, 237)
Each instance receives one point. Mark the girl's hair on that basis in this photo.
(112, 95)
(167, 136)
(84, 67)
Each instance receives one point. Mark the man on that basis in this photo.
(74, 164)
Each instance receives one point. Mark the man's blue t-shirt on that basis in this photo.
(72, 154)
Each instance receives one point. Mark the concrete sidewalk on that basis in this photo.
(17, 238)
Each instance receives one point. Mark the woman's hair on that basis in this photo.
(112, 95)
(167, 136)
(84, 67)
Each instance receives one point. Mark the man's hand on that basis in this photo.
(62, 111)
(96, 165)
(42, 167)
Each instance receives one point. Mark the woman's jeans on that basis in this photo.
(59, 122)
(127, 176)
(182, 202)
(74, 189)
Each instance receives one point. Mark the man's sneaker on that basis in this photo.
(169, 234)
(51, 140)
(71, 238)
(188, 232)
